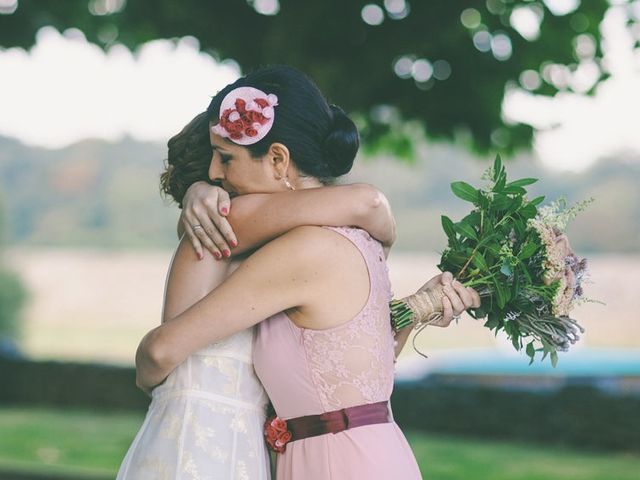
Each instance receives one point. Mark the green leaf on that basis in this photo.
(492, 321)
(515, 190)
(497, 167)
(537, 201)
(465, 191)
(531, 351)
(501, 202)
(528, 211)
(528, 250)
(516, 203)
(554, 358)
(480, 262)
(500, 295)
(515, 339)
(487, 238)
(472, 219)
(523, 182)
(506, 269)
(493, 248)
(447, 226)
(466, 230)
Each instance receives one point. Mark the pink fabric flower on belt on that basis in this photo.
(247, 115)
(276, 434)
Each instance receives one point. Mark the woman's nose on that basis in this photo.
(216, 172)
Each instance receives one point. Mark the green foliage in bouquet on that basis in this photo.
(517, 258)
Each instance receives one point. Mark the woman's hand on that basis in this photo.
(455, 300)
(203, 219)
(454, 297)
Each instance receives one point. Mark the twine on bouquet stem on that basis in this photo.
(421, 309)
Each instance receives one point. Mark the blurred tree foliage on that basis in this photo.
(12, 294)
(444, 65)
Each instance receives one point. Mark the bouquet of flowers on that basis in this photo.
(517, 257)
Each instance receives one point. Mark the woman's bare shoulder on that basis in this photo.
(321, 249)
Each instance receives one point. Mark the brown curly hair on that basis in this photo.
(188, 159)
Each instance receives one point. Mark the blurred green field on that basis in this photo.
(88, 443)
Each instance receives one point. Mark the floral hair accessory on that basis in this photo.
(276, 434)
(246, 115)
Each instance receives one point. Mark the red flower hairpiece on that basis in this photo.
(246, 116)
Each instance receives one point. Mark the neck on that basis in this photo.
(307, 182)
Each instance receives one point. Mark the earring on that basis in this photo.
(288, 184)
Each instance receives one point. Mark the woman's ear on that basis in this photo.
(279, 160)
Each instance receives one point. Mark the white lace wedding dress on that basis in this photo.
(205, 421)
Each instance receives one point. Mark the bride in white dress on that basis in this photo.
(205, 421)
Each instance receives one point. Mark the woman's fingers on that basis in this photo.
(475, 297)
(205, 208)
(226, 230)
(215, 242)
(456, 302)
(432, 283)
(224, 203)
(200, 237)
(197, 246)
(447, 312)
(446, 278)
(220, 231)
(461, 297)
(463, 293)
(223, 225)
(207, 242)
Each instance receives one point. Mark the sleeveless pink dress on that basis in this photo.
(308, 372)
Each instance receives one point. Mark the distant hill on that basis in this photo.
(93, 193)
(100, 194)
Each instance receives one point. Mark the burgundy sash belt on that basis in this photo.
(338, 420)
(279, 432)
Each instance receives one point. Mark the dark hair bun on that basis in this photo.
(341, 144)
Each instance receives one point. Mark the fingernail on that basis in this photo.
(233, 243)
(217, 255)
(224, 210)
(200, 256)
(226, 253)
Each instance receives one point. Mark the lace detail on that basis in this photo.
(205, 421)
(352, 364)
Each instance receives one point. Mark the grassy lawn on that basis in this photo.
(457, 459)
(62, 440)
(85, 442)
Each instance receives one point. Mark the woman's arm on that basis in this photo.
(279, 276)
(258, 218)
(188, 281)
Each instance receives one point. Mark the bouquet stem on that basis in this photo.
(421, 308)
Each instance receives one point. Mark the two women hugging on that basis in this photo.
(278, 291)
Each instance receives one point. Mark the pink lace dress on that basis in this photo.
(308, 372)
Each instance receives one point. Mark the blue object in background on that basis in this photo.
(613, 370)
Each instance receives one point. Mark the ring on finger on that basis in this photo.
(196, 226)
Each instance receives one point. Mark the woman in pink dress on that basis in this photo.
(325, 352)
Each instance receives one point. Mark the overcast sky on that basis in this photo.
(65, 89)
